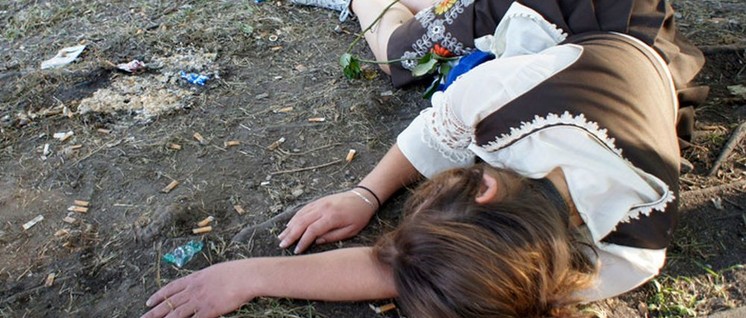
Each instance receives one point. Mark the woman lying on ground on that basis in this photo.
(573, 199)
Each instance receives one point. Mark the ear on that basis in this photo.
(488, 191)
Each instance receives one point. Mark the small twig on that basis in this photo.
(713, 190)
(734, 140)
(108, 144)
(308, 168)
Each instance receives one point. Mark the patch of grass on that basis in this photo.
(688, 296)
(275, 308)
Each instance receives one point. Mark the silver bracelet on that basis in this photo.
(364, 198)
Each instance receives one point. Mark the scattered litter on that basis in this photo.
(387, 93)
(81, 203)
(276, 144)
(205, 221)
(717, 202)
(383, 308)
(231, 143)
(317, 119)
(45, 153)
(170, 186)
(49, 281)
(301, 68)
(202, 230)
(134, 66)
(261, 96)
(79, 209)
(239, 209)
(69, 220)
(103, 131)
(33, 222)
(63, 57)
(62, 136)
(194, 78)
(737, 90)
(199, 137)
(272, 38)
(264, 183)
(285, 109)
(350, 155)
(174, 146)
(76, 147)
(61, 233)
(183, 254)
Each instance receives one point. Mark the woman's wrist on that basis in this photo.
(371, 192)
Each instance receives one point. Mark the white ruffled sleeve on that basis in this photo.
(437, 140)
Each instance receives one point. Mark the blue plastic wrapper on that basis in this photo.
(194, 78)
(182, 254)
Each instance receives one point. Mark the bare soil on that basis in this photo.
(273, 66)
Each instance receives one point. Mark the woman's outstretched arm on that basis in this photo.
(347, 274)
(343, 215)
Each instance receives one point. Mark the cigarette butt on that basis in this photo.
(350, 155)
(285, 110)
(276, 144)
(81, 203)
(103, 131)
(174, 146)
(62, 136)
(317, 119)
(61, 233)
(199, 137)
(69, 220)
(239, 209)
(206, 221)
(68, 244)
(78, 209)
(202, 230)
(76, 147)
(170, 186)
(50, 280)
(33, 222)
(383, 308)
(231, 143)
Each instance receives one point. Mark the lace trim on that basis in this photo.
(646, 209)
(445, 133)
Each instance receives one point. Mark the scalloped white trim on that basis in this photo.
(553, 120)
(523, 39)
(658, 205)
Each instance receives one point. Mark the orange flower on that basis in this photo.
(441, 51)
(444, 5)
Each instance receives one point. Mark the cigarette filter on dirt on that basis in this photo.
(33, 222)
(205, 221)
(350, 155)
(174, 146)
(103, 131)
(61, 233)
(79, 209)
(62, 136)
(199, 137)
(170, 186)
(276, 144)
(239, 209)
(383, 308)
(81, 203)
(317, 119)
(49, 281)
(231, 143)
(285, 109)
(202, 230)
(69, 219)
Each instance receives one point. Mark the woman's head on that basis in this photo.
(514, 256)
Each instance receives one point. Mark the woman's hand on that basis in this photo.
(211, 292)
(329, 219)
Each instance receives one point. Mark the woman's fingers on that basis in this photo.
(298, 228)
(336, 235)
(319, 227)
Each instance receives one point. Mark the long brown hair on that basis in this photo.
(454, 258)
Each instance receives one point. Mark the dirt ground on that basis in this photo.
(272, 67)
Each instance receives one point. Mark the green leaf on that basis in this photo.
(432, 88)
(425, 68)
(350, 66)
